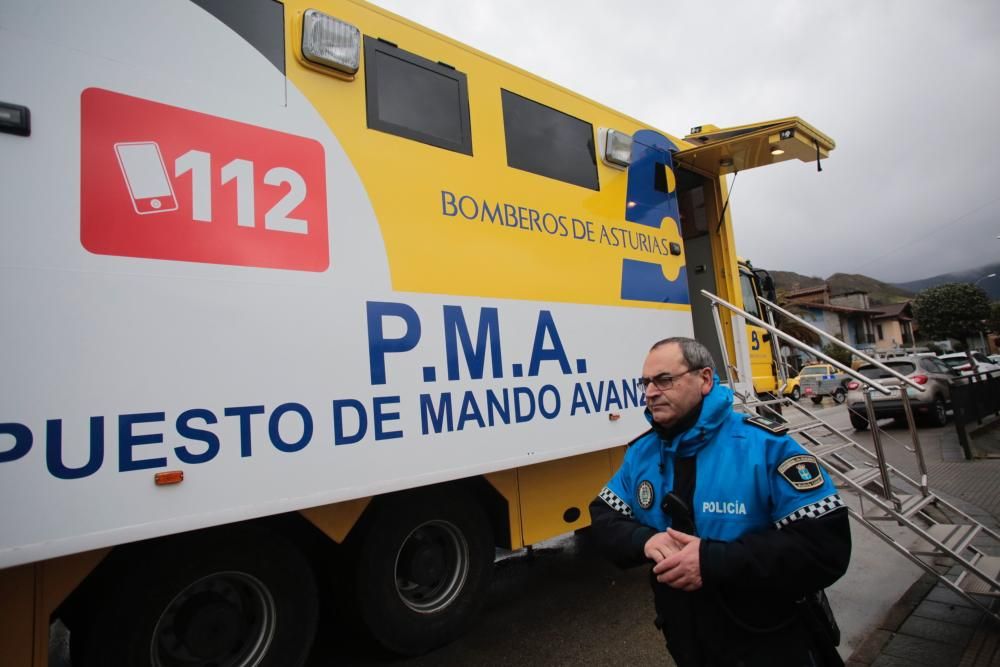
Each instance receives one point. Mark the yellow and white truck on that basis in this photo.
(284, 280)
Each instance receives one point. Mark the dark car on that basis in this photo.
(930, 404)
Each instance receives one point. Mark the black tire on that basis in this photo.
(796, 394)
(424, 568)
(938, 416)
(839, 395)
(816, 399)
(859, 423)
(227, 597)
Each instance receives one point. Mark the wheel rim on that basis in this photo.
(431, 566)
(226, 619)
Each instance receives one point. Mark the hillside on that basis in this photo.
(878, 291)
(990, 285)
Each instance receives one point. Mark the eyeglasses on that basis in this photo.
(663, 381)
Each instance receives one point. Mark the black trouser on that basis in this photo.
(702, 630)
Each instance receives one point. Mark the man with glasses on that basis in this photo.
(742, 526)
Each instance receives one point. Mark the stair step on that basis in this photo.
(808, 426)
(970, 583)
(862, 476)
(955, 537)
(909, 505)
(827, 448)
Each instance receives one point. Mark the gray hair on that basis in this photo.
(695, 354)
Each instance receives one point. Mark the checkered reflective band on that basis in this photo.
(614, 502)
(812, 511)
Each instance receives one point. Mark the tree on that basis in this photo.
(952, 310)
(993, 321)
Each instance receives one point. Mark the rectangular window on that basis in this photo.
(548, 142)
(415, 98)
(878, 328)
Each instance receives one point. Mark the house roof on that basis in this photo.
(847, 310)
(895, 311)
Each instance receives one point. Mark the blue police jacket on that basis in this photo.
(746, 479)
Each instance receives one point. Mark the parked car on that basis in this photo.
(792, 389)
(930, 404)
(819, 380)
(960, 362)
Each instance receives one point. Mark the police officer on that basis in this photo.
(743, 527)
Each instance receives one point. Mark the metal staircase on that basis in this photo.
(952, 545)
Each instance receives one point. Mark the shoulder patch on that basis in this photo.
(645, 494)
(802, 472)
(769, 425)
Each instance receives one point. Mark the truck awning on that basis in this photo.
(725, 151)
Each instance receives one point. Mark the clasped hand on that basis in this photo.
(676, 559)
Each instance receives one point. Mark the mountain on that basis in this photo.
(878, 291)
(990, 285)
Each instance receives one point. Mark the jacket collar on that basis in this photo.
(714, 409)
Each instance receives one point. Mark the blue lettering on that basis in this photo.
(613, 398)
(127, 440)
(579, 400)
(341, 438)
(379, 345)
(488, 334)
(523, 415)
(596, 400)
(540, 353)
(274, 431)
(470, 410)
(22, 441)
(244, 413)
(54, 448)
(630, 393)
(493, 405)
(185, 430)
(551, 391)
(448, 202)
(437, 421)
(380, 417)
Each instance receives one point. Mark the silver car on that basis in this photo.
(929, 405)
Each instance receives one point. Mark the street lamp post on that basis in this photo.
(982, 340)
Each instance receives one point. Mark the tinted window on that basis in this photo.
(749, 297)
(814, 370)
(412, 97)
(901, 367)
(955, 362)
(548, 142)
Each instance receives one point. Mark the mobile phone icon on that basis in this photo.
(146, 177)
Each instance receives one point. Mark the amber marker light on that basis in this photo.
(169, 477)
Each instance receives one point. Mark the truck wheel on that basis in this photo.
(234, 597)
(816, 399)
(423, 569)
(859, 423)
(839, 395)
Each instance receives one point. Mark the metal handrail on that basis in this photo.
(834, 339)
(775, 331)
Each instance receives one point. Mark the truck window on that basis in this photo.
(415, 98)
(548, 142)
(749, 296)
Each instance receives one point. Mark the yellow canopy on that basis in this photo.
(724, 151)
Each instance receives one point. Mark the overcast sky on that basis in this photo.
(909, 90)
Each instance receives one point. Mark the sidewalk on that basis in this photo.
(931, 625)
